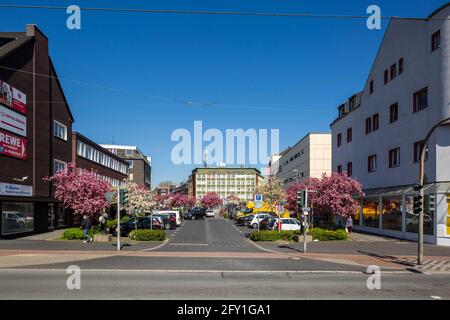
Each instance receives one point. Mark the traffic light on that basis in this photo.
(429, 203)
(123, 196)
(301, 198)
(418, 199)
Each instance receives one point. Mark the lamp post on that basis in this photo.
(421, 182)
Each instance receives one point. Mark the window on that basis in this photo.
(350, 169)
(392, 213)
(17, 217)
(394, 158)
(375, 122)
(59, 165)
(114, 151)
(421, 100)
(401, 66)
(349, 134)
(339, 140)
(393, 113)
(368, 125)
(386, 76)
(372, 163)
(371, 87)
(393, 71)
(339, 169)
(417, 147)
(436, 40)
(59, 130)
(371, 212)
(129, 153)
(130, 164)
(341, 110)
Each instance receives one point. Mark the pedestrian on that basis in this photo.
(349, 224)
(86, 225)
(102, 220)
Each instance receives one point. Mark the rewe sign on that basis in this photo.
(13, 146)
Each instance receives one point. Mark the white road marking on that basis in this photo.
(436, 297)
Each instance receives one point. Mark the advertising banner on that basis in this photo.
(13, 98)
(12, 146)
(12, 121)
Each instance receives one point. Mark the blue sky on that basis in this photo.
(131, 72)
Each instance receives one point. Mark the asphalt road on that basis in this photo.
(51, 284)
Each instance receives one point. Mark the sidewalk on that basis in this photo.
(365, 250)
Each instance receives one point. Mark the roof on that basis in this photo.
(438, 10)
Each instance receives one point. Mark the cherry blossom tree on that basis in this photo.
(335, 193)
(233, 199)
(291, 192)
(272, 192)
(80, 190)
(140, 199)
(211, 200)
(181, 201)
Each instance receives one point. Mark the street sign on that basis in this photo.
(258, 198)
(279, 209)
(258, 205)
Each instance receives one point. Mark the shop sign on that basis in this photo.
(13, 98)
(13, 146)
(18, 190)
(12, 121)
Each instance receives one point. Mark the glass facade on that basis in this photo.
(17, 217)
(392, 213)
(371, 212)
(412, 219)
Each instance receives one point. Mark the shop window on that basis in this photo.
(371, 213)
(17, 217)
(357, 216)
(412, 219)
(392, 213)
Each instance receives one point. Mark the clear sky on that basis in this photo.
(132, 74)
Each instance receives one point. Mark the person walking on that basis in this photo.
(86, 225)
(102, 220)
(349, 224)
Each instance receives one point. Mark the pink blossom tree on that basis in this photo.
(335, 193)
(80, 190)
(211, 200)
(291, 192)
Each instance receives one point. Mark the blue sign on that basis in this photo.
(258, 198)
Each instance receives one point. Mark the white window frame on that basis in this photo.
(58, 162)
(57, 126)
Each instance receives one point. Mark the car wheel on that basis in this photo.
(255, 226)
(167, 226)
(193, 218)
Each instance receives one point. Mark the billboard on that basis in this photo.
(12, 146)
(12, 121)
(13, 98)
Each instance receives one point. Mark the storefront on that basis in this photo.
(390, 212)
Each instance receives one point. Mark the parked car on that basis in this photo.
(242, 221)
(136, 223)
(268, 223)
(169, 219)
(244, 212)
(176, 213)
(209, 213)
(288, 224)
(253, 223)
(196, 213)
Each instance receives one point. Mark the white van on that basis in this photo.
(177, 214)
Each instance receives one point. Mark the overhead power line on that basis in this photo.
(235, 13)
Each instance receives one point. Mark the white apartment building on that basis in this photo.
(379, 131)
(309, 158)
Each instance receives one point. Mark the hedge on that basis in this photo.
(328, 235)
(269, 235)
(147, 235)
(110, 223)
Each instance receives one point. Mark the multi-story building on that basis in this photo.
(379, 131)
(165, 189)
(35, 134)
(225, 181)
(309, 158)
(87, 154)
(140, 166)
(181, 188)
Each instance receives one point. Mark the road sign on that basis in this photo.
(258, 205)
(258, 198)
(280, 209)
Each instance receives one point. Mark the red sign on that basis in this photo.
(13, 98)
(13, 146)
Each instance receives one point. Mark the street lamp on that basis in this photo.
(423, 147)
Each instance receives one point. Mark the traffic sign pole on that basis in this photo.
(118, 219)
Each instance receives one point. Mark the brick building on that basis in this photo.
(34, 134)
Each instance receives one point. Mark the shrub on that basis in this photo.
(268, 235)
(75, 234)
(328, 235)
(147, 235)
(110, 223)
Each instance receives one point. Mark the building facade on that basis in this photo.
(379, 131)
(140, 166)
(309, 158)
(35, 133)
(181, 188)
(225, 182)
(87, 154)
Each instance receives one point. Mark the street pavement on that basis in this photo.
(214, 259)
